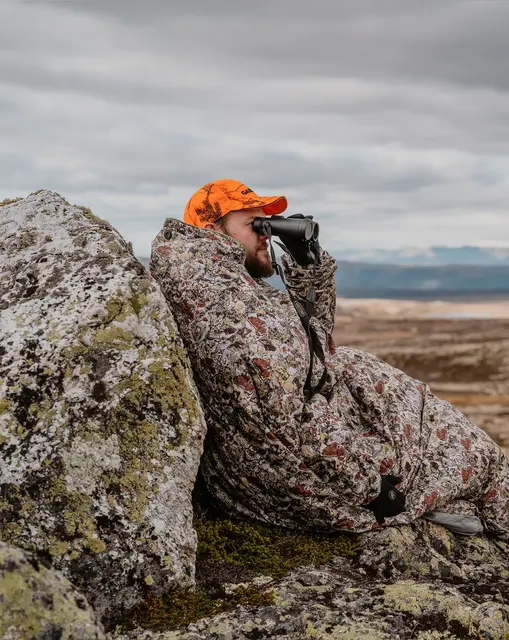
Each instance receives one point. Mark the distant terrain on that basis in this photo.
(464, 358)
(449, 273)
(428, 256)
(356, 279)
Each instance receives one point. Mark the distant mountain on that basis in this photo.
(356, 279)
(428, 256)
(365, 280)
(423, 256)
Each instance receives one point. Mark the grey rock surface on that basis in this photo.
(418, 581)
(38, 602)
(426, 551)
(101, 429)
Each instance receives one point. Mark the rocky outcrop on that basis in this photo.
(101, 428)
(417, 581)
(427, 551)
(38, 602)
(331, 605)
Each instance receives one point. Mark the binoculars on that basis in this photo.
(303, 229)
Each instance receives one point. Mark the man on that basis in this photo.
(373, 447)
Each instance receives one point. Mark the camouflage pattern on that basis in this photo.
(216, 199)
(271, 456)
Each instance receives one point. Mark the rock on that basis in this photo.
(418, 581)
(38, 602)
(425, 550)
(350, 607)
(101, 429)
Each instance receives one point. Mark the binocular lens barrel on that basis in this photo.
(298, 228)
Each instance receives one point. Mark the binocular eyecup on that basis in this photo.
(302, 229)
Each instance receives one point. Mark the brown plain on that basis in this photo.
(461, 349)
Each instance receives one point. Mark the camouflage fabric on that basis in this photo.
(273, 457)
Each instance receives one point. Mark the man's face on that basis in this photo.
(238, 226)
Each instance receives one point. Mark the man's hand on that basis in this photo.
(390, 502)
(304, 253)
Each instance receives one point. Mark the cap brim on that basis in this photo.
(274, 206)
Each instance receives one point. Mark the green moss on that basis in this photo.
(266, 550)
(114, 307)
(231, 552)
(11, 531)
(182, 607)
(12, 514)
(164, 383)
(408, 597)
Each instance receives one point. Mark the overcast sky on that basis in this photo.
(388, 121)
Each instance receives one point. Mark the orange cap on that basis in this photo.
(215, 199)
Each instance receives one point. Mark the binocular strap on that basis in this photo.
(315, 347)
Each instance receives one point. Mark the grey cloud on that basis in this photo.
(388, 121)
(340, 112)
(341, 109)
(448, 40)
(116, 90)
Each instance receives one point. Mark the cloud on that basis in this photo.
(387, 122)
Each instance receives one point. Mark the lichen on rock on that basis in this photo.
(101, 428)
(38, 602)
(399, 585)
(7, 201)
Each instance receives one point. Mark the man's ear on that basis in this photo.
(210, 225)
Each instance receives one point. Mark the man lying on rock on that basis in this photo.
(350, 443)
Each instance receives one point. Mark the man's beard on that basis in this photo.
(258, 268)
(254, 266)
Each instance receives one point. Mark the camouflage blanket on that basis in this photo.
(274, 457)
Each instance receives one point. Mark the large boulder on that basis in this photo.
(38, 602)
(101, 429)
